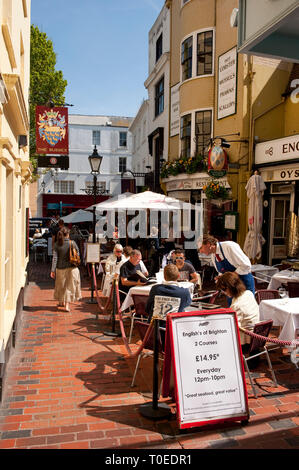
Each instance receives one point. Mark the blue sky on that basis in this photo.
(102, 50)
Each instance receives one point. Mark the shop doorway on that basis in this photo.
(280, 208)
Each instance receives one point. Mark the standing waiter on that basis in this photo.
(227, 256)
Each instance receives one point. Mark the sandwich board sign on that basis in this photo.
(204, 364)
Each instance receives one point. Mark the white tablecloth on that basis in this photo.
(145, 290)
(282, 277)
(283, 312)
(263, 272)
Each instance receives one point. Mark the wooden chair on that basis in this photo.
(148, 349)
(263, 329)
(139, 312)
(266, 294)
(293, 289)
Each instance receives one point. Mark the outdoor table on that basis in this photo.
(264, 272)
(145, 290)
(283, 277)
(284, 312)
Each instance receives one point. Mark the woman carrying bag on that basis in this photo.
(65, 271)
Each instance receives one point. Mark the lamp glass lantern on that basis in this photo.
(95, 161)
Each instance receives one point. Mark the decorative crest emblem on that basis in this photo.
(52, 126)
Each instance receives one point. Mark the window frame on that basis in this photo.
(193, 129)
(94, 133)
(186, 138)
(205, 142)
(194, 56)
(120, 162)
(120, 141)
(70, 186)
(159, 97)
(204, 53)
(187, 68)
(100, 185)
(159, 47)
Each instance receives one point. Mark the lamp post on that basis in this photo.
(95, 161)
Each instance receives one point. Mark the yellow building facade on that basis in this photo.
(216, 92)
(15, 168)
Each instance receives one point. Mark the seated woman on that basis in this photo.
(243, 302)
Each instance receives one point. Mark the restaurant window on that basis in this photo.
(186, 58)
(96, 137)
(159, 47)
(122, 164)
(203, 131)
(159, 97)
(186, 135)
(205, 53)
(123, 139)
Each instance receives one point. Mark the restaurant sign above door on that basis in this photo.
(277, 150)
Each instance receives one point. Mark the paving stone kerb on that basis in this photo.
(68, 386)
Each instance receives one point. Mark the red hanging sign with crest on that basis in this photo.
(51, 130)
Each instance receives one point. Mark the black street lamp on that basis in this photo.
(95, 161)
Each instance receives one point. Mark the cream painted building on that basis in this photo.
(216, 92)
(15, 168)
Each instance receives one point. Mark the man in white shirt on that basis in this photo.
(227, 256)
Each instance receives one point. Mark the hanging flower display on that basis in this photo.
(184, 165)
(216, 190)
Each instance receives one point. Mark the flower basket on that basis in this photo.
(215, 190)
(187, 165)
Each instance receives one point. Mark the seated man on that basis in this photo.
(169, 296)
(129, 276)
(186, 269)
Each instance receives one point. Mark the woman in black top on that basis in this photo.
(66, 275)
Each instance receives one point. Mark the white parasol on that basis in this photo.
(78, 216)
(254, 240)
(144, 200)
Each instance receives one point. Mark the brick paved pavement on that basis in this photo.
(67, 386)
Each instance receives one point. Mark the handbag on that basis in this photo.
(74, 255)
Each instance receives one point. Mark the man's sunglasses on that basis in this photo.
(179, 257)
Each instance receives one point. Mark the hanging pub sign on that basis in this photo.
(51, 130)
(60, 161)
(203, 368)
(217, 160)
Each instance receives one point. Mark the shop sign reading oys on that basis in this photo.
(203, 360)
(277, 150)
(290, 173)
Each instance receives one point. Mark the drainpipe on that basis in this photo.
(250, 77)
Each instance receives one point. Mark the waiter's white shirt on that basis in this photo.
(234, 254)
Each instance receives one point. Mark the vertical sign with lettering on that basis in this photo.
(207, 365)
(227, 83)
(175, 110)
